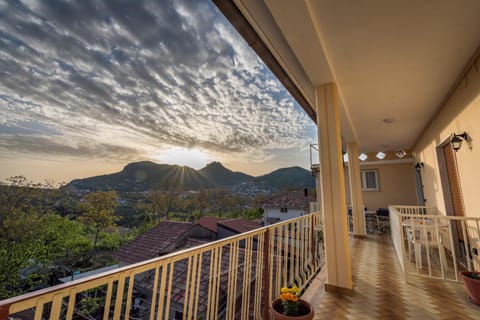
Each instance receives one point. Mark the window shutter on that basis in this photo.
(454, 180)
(454, 186)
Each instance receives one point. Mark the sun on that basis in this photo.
(194, 158)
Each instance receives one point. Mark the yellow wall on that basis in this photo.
(461, 113)
(397, 186)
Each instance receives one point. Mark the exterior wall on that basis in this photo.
(290, 214)
(397, 186)
(461, 113)
(223, 232)
(203, 233)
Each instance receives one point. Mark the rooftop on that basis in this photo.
(241, 225)
(161, 239)
(210, 223)
(288, 199)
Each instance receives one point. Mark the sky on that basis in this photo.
(89, 86)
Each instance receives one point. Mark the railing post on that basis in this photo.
(266, 275)
(4, 311)
(313, 246)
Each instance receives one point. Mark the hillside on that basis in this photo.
(285, 178)
(220, 176)
(146, 175)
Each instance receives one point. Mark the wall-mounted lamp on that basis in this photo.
(419, 166)
(457, 140)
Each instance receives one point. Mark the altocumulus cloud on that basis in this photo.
(103, 78)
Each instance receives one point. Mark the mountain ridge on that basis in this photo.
(147, 175)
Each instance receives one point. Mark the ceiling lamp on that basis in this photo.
(457, 140)
(400, 154)
(345, 157)
(381, 155)
(362, 157)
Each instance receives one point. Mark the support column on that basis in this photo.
(356, 195)
(334, 209)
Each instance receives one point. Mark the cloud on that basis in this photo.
(43, 145)
(95, 78)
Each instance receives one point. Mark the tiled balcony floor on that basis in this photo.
(381, 291)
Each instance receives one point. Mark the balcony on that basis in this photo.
(235, 278)
(232, 278)
(381, 291)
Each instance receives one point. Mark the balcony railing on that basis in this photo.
(433, 245)
(233, 278)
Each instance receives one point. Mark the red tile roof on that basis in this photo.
(290, 199)
(241, 225)
(165, 237)
(210, 223)
(181, 274)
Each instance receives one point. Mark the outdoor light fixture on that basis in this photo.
(457, 140)
(381, 155)
(400, 154)
(419, 166)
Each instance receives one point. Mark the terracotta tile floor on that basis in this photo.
(381, 291)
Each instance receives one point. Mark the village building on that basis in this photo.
(286, 205)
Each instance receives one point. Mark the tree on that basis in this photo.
(156, 205)
(98, 212)
(201, 201)
(31, 233)
(22, 204)
(14, 256)
(63, 240)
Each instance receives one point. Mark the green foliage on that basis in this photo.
(98, 212)
(155, 207)
(63, 239)
(34, 238)
(13, 258)
(22, 204)
(89, 306)
(115, 238)
(252, 213)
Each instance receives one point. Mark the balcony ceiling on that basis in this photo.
(394, 62)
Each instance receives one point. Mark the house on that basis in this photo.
(162, 239)
(231, 227)
(286, 205)
(209, 224)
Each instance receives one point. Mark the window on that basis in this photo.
(283, 210)
(370, 180)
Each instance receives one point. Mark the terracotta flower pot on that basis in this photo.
(473, 286)
(276, 311)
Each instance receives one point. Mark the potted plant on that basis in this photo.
(290, 306)
(472, 282)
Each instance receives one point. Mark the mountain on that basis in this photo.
(143, 176)
(220, 176)
(146, 175)
(285, 178)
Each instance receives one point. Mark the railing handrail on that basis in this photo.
(435, 216)
(446, 233)
(119, 273)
